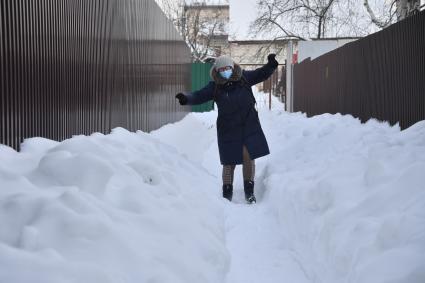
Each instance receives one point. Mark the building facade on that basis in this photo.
(207, 29)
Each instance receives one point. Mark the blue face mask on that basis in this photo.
(226, 74)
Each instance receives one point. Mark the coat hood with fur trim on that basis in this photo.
(219, 80)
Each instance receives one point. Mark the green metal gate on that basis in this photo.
(201, 77)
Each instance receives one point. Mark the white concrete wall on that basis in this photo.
(245, 53)
(317, 48)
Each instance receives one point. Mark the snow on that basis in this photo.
(108, 208)
(338, 201)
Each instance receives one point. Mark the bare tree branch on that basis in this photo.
(196, 27)
(274, 12)
(380, 23)
(407, 8)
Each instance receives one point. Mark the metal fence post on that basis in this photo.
(289, 103)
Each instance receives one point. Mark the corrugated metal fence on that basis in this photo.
(380, 76)
(81, 66)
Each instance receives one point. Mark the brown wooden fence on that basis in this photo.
(83, 66)
(381, 76)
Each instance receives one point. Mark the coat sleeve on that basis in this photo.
(201, 96)
(259, 75)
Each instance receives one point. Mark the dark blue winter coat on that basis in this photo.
(237, 122)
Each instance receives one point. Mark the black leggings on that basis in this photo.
(248, 169)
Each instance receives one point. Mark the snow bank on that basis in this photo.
(195, 137)
(350, 197)
(114, 208)
(347, 200)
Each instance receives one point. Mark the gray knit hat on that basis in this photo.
(223, 61)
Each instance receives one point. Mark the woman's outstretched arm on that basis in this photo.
(261, 74)
(198, 97)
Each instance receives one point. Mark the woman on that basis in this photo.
(240, 137)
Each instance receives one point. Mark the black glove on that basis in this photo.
(182, 98)
(272, 60)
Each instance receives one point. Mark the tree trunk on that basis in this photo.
(405, 8)
(319, 31)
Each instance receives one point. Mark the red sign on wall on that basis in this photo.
(295, 58)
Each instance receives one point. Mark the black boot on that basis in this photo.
(228, 192)
(249, 191)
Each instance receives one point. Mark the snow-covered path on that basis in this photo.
(255, 243)
(320, 173)
(256, 246)
(338, 202)
(258, 252)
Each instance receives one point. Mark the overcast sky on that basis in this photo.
(242, 13)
